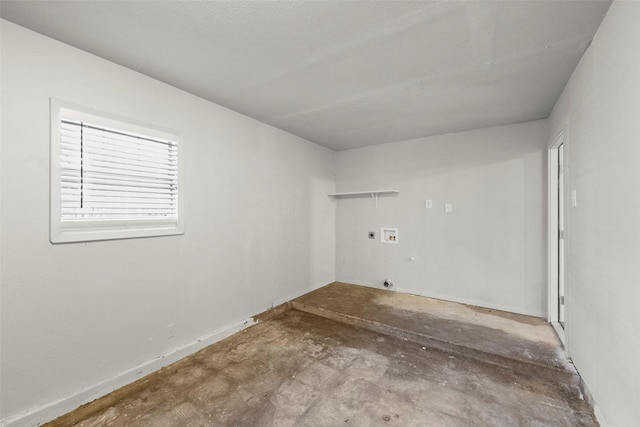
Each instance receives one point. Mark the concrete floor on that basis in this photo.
(310, 366)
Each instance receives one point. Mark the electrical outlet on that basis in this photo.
(428, 204)
(448, 208)
(171, 331)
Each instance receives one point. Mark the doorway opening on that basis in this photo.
(556, 236)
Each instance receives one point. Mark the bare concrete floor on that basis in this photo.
(507, 339)
(301, 369)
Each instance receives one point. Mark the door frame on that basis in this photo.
(552, 236)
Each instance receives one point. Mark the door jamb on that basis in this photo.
(552, 237)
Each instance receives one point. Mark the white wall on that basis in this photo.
(489, 251)
(600, 110)
(80, 319)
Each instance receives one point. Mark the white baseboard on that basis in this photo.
(450, 298)
(295, 295)
(588, 396)
(561, 335)
(51, 410)
(54, 409)
(599, 416)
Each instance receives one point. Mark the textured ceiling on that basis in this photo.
(343, 74)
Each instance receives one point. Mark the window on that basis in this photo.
(112, 178)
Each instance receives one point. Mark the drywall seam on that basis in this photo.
(447, 297)
(52, 410)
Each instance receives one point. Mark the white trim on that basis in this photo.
(91, 231)
(560, 333)
(552, 238)
(295, 295)
(600, 416)
(52, 410)
(449, 298)
(552, 233)
(588, 397)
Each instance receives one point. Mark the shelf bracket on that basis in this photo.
(374, 196)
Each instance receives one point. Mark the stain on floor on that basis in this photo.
(508, 339)
(301, 369)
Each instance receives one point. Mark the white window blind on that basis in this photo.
(112, 175)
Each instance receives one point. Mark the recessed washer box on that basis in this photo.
(389, 235)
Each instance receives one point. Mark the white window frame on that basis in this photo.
(93, 230)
